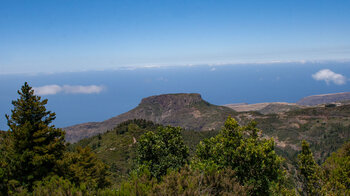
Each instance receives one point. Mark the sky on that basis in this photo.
(83, 35)
(95, 59)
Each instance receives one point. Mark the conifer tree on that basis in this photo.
(309, 171)
(36, 144)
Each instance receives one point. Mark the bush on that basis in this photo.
(240, 148)
(162, 150)
(191, 181)
(58, 186)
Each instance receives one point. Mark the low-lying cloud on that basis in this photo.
(329, 76)
(68, 89)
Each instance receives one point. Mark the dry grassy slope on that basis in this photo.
(264, 108)
(189, 111)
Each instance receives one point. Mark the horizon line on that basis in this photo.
(162, 65)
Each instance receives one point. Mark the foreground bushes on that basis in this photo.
(187, 181)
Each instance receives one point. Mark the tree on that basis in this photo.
(84, 168)
(337, 171)
(240, 148)
(162, 150)
(309, 171)
(36, 144)
(6, 161)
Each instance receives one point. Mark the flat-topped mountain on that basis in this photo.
(324, 99)
(189, 111)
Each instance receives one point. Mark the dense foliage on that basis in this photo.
(332, 178)
(337, 171)
(309, 171)
(36, 144)
(83, 167)
(187, 181)
(241, 149)
(162, 150)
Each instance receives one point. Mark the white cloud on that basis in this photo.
(329, 76)
(68, 89)
(47, 90)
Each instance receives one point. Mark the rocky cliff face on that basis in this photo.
(173, 101)
(189, 111)
(324, 99)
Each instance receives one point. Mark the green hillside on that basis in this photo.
(117, 147)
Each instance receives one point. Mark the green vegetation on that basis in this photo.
(139, 157)
(332, 178)
(162, 150)
(309, 171)
(36, 145)
(33, 151)
(187, 181)
(337, 171)
(117, 147)
(325, 128)
(241, 149)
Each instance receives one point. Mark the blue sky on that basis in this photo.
(76, 35)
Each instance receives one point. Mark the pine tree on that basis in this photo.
(309, 171)
(36, 144)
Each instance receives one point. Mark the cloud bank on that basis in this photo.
(68, 89)
(329, 76)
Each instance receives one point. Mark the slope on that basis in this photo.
(117, 147)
